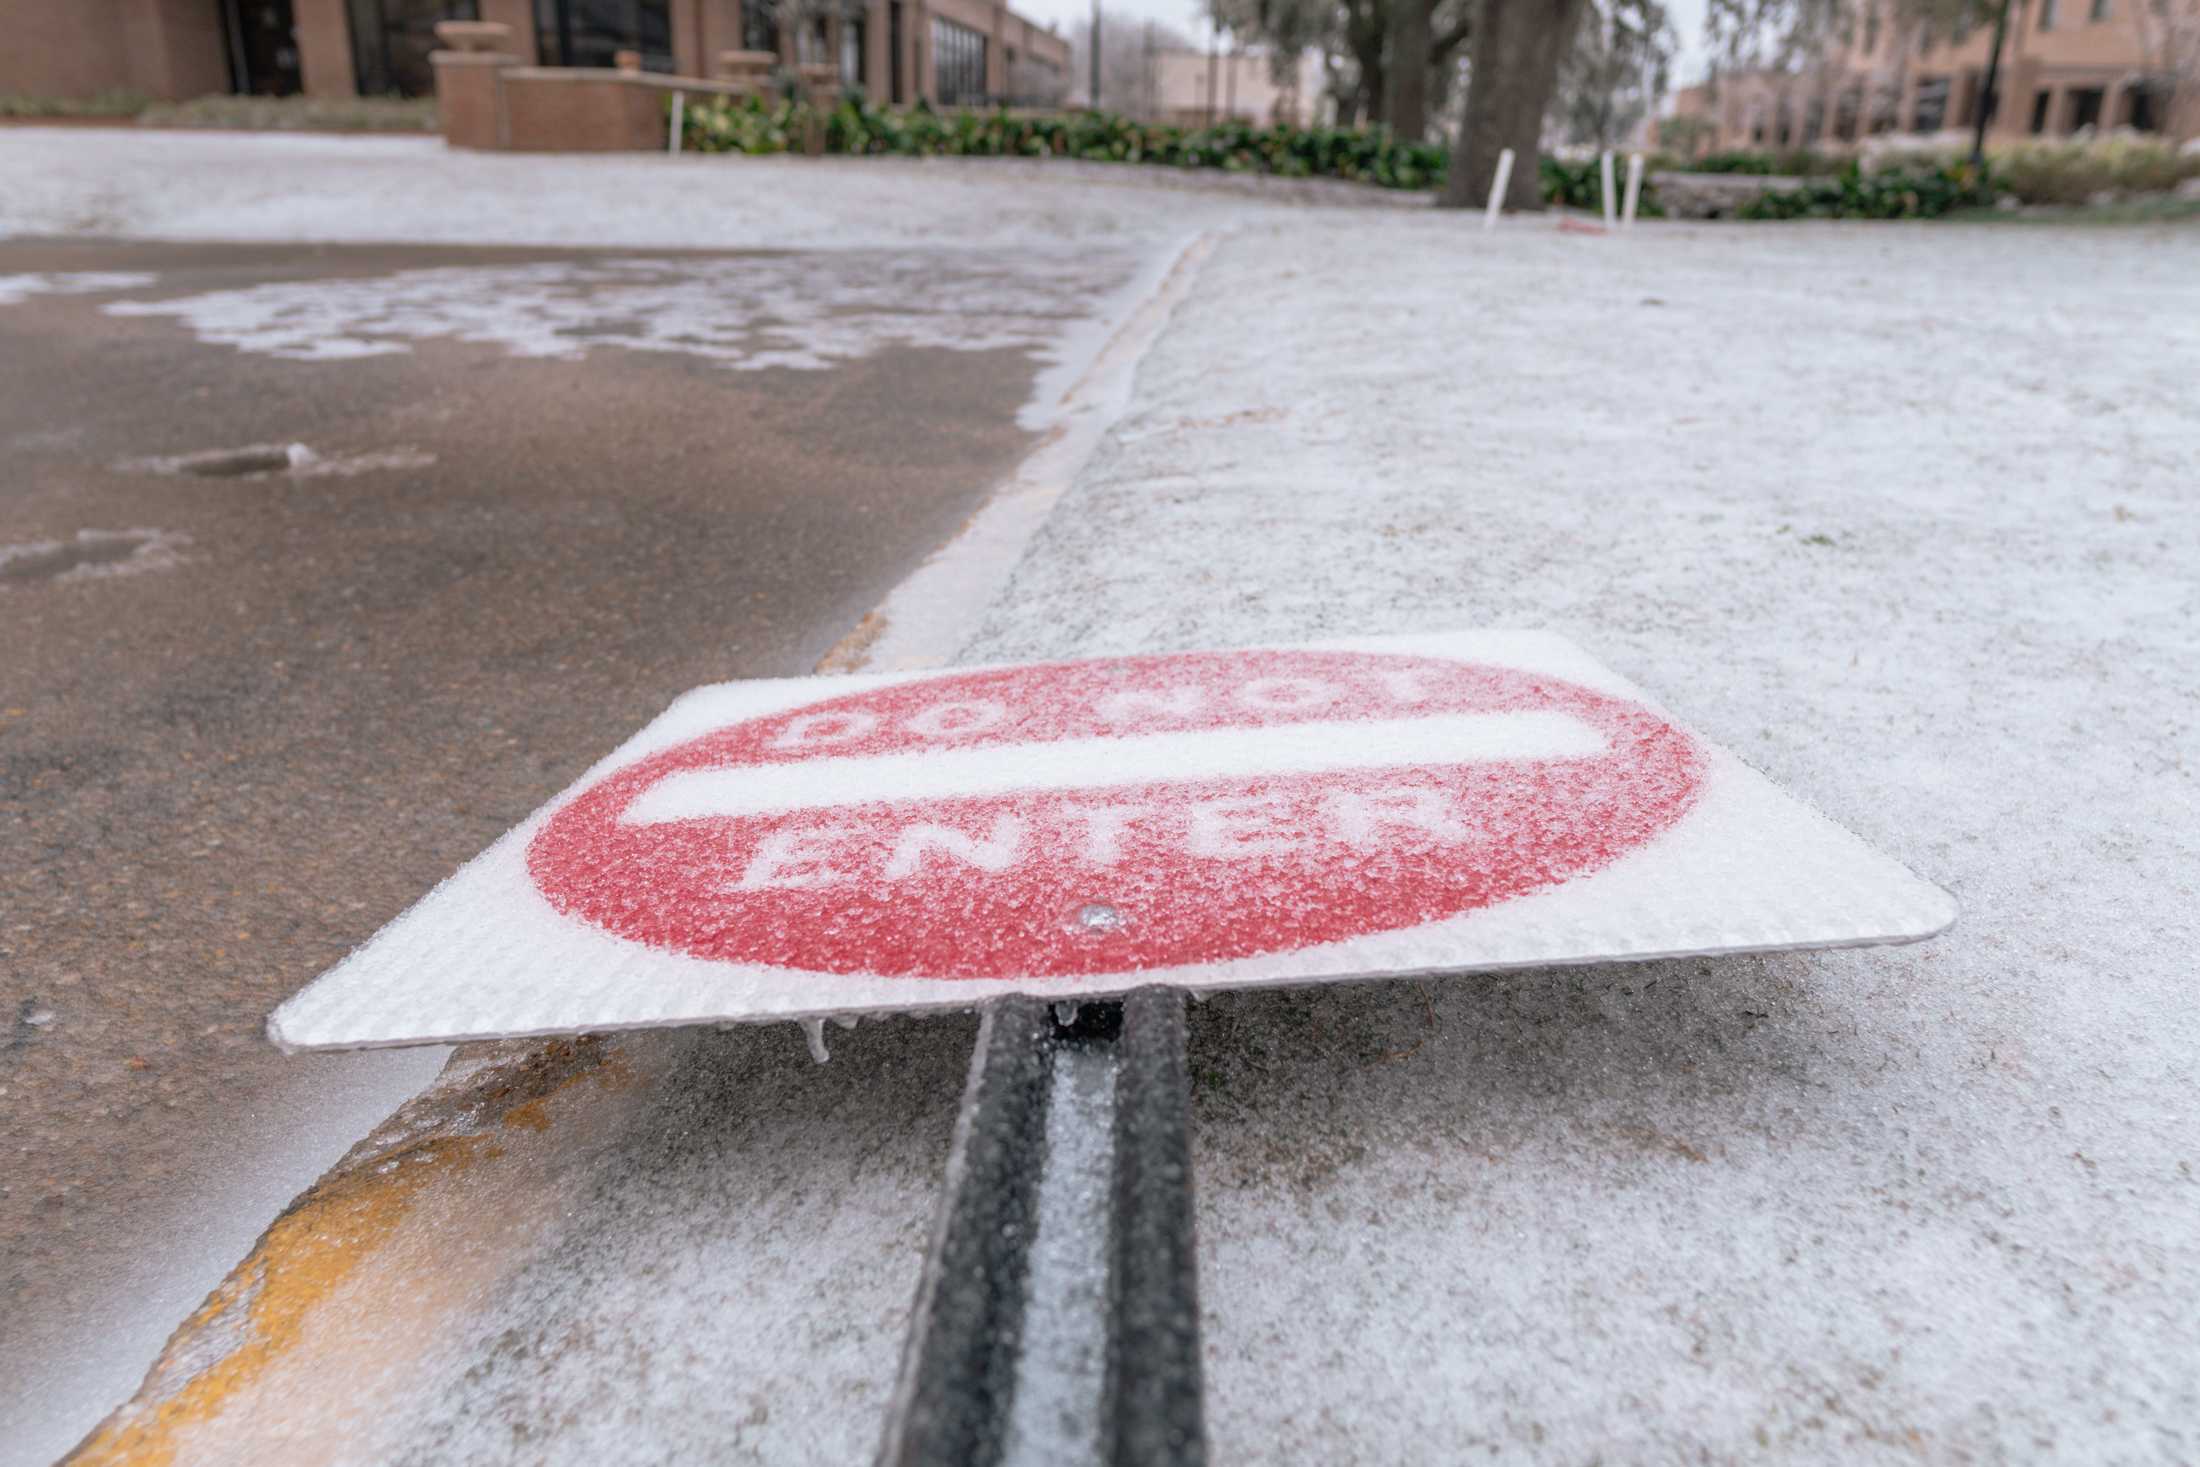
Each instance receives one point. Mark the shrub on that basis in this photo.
(296, 114)
(1791, 163)
(1910, 192)
(106, 104)
(2073, 171)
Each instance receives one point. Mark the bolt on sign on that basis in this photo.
(1269, 815)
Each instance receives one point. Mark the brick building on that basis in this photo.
(947, 51)
(2066, 65)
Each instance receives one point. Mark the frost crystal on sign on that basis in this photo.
(1098, 917)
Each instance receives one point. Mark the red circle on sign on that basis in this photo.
(1210, 831)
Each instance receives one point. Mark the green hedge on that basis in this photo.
(751, 125)
(1791, 163)
(1916, 192)
(116, 103)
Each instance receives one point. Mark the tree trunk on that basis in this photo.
(1512, 68)
(1409, 41)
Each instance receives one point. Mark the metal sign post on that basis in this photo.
(1057, 1319)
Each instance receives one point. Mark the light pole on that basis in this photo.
(1988, 100)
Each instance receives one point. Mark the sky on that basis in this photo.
(1688, 16)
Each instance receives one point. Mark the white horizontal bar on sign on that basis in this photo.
(1113, 762)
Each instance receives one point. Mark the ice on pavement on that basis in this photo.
(1901, 514)
(1904, 516)
(749, 313)
(15, 289)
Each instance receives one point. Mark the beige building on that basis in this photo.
(945, 51)
(1193, 88)
(2066, 65)
(1189, 87)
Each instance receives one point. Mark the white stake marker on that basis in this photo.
(1606, 193)
(679, 121)
(1498, 185)
(1634, 191)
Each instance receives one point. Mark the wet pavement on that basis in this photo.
(256, 698)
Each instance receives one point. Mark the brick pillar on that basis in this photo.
(2013, 113)
(878, 81)
(2112, 98)
(323, 31)
(469, 103)
(1905, 110)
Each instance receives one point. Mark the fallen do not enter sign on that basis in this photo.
(1210, 819)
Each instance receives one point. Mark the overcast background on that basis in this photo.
(1190, 16)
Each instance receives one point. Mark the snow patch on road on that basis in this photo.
(749, 313)
(91, 555)
(15, 289)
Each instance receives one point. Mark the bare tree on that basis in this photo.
(2169, 34)
(1386, 60)
(1615, 72)
(1127, 48)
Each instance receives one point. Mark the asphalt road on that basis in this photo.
(247, 717)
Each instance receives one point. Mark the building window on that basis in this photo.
(2099, 11)
(2047, 15)
(852, 52)
(594, 32)
(1932, 104)
(2041, 101)
(1871, 30)
(2139, 109)
(2085, 107)
(391, 39)
(263, 47)
(958, 63)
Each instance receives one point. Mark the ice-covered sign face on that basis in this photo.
(1130, 813)
(1215, 819)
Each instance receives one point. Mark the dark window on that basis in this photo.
(391, 39)
(2098, 12)
(897, 93)
(2047, 15)
(958, 63)
(1932, 103)
(263, 47)
(760, 26)
(2085, 108)
(1871, 30)
(2141, 115)
(2041, 101)
(594, 32)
